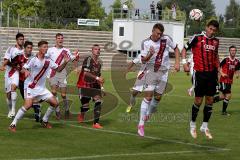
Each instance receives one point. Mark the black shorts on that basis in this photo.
(95, 90)
(205, 83)
(225, 88)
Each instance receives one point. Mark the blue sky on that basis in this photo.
(144, 4)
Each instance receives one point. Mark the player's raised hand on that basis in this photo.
(66, 58)
(76, 54)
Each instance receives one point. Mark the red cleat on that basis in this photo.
(97, 126)
(80, 117)
(46, 125)
(12, 128)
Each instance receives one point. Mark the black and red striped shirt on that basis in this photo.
(205, 52)
(229, 66)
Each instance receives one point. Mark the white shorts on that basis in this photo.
(140, 81)
(156, 81)
(14, 79)
(37, 95)
(60, 81)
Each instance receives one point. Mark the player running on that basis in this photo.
(12, 73)
(204, 48)
(155, 52)
(36, 71)
(228, 67)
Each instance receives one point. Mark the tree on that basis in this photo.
(96, 10)
(232, 13)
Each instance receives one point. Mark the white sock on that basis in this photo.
(19, 115)
(9, 104)
(132, 100)
(13, 100)
(66, 104)
(48, 113)
(152, 106)
(205, 124)
(193, 124)
(191, 89)
(144, 106)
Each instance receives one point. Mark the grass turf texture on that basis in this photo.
(167, 133)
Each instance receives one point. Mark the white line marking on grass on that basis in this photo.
(121, 155)
(153, 138)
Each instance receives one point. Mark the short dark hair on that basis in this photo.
(40, 43)
(27, 43)
(213, 23)
(18, 35)
(159, 26)
(59, 34)
(232, 46)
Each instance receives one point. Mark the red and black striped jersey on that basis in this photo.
(229, 66)
(205, 52)
(89, 65)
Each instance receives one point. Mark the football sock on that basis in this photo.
(225, 105)
(195, 109)
(207, 112)
(13, 100)
(97, 111)
(48, 113)
(19, 115)
(143, 112)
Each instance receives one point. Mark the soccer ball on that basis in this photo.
(196, 14)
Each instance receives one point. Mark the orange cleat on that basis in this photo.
(97, 126)
(12, 128)
(46, 125)
(80, 117)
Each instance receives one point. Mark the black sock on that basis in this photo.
(84, 108)
(216, 99)
(97, 111)
(225, 105)
(195, 109)
(207, 112)
(37, 112)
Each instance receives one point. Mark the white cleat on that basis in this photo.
(206, 132)
(141, 130)
(9, 114)
(193, 130)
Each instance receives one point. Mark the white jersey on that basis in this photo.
(54, 54)
(35, 66)
(191, 63)
(165, 43)
(10, 54)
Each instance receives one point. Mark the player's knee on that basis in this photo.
(157, 97)
(54, 93)
(198, 101)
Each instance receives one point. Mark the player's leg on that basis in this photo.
(208, 108)
(37, 111)
(66, 106)
(199, 90)
(132, 101)
(13, 98)
(8, 95)
(97, 111)
(84, 108)
(27, 105)
(54, 92)
(190, 90)
(226, 100)
(52, 101)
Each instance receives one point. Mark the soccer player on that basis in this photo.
(228, 67)
(12, 73)
(90, 83)
(138, 86)
(155, 52)
(204, 48)
(59, 79)
(36, 71)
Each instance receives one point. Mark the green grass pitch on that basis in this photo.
(167, 133)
